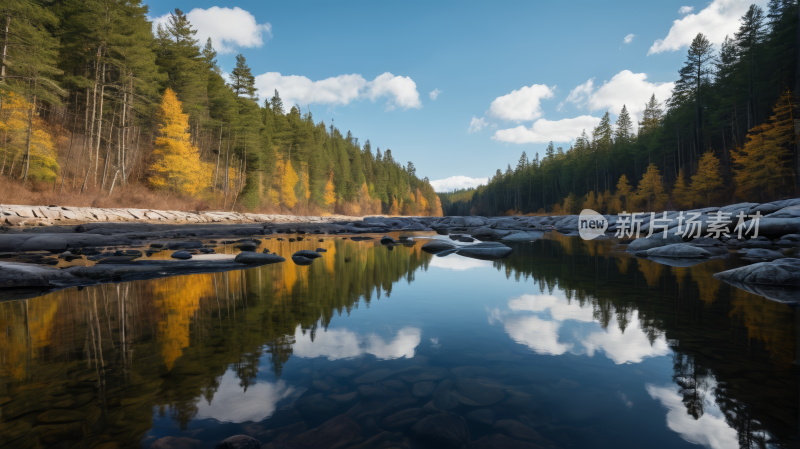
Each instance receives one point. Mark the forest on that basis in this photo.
(98, 108)
(728, 133)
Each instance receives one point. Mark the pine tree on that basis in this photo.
(652, 116)
(176, 163)
(242, 80)
(693, 75)
(763, 166)
(624, 126)
(707, 180)
(749, 38)
(651, 189)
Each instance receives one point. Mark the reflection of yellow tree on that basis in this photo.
(766, 321)
(14, 345)
(177, 298)
(707, 285)
(652, 271)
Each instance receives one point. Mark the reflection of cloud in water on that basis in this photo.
(342, 343)
(458, 263)
(709, 430)
(542, 330)
(232, 404)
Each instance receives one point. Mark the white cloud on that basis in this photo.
(630, 347)
(340, 90)
(718, 19)
(710, 430)
(476, 124)
(544, 131)
(523, 104)
(401, 90)
(625, 88)
(559, 309)
(232, 404)
(228, 28)
(628, 39)
(343, 344)
(685, 10)
(457, 182)
(434, 93)
(537, 334)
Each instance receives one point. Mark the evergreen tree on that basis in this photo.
(651, 189)
(681, 195)
(242, 80)
(707, 180)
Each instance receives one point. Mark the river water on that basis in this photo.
(566, 344)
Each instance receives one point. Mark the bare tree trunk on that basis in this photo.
(99, 125)
(5, 50)
(108, 154)
(112, 183)
(28, 141)
(66, 165)
(219, 151)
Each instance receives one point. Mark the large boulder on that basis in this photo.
(300, 260)
(253, 258)
(760, 254)
(442, 429)
(50, 243)
(239, 442)
(769, 208)
(308, 254)
(485, 251)
(782, 272)
(679, 251)
(14, 274)
(435, 246)
(654, 241)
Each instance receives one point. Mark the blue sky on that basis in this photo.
(510, 76)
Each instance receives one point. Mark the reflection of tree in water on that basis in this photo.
(731, 347)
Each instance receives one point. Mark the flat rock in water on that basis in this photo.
(402, 419)
(374, 376)
(342, 398)
(435, 246)
(679, 251)
(386, 240)
(44, 243)
(422, 389)
(443, 429)
(486, 251)
(482, 416)
(252, 258)
(122, 259)
(498, 441)
(782, 272)
(760, 254)
(183, 255)
(14, 274)
(321, 250)
(239, 442)
(444, 397)
(300, 260)
(517, 430)
(528, 236)
(478, 393)
(654, 241)
(308, 254)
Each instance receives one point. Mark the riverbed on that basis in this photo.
(567, 343)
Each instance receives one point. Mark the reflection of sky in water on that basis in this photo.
(342, 343)
(710, 430)
(457, 263)
(553, 325)
(232, 404)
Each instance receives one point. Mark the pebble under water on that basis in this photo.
(565, 344)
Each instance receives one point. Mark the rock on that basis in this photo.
(776, 226)
(402, 419)
(239, 442)
(466, 239)
(183, 255)
(342, 398)
(315, 403)
(788, 241)
(254, 258)
(654, 241)
(50, 243)
(760, 254)
(308, 254)
(422, 389)
(337, 433)
(481, 416)
(321, 250)
(386, 240)
(61, 415)
(247, 246)
(477, 393)
(443, 429)
(758, 242)
(393, 384)
(443, 397)
(175, 443)
(500, 441)
(15, 274)
(435, 246)
(374, 376)
(485, 251)
(519, 431)
(679, 251)
(342, 372)
(320, 385)
(300, 260)
(782, 272)
(528, 236)
(130, 259)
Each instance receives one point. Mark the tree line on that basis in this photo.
(93, 98)
(727, 133)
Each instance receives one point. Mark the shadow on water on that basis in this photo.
(123, 364)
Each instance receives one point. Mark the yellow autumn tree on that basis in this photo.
(589, 201)
(623, 193)
(395, 208)
(681, 195)
(288, 179)
(14, 128)
(330, 191)
(176, 162)
(763, 166)
(437, 210)
(651, 189)
(708, 179)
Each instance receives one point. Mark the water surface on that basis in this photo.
(566, 344)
